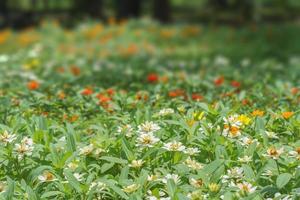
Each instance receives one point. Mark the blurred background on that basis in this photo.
(24, 13)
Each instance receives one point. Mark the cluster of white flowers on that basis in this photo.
(24, 148)
(7, 138)
(146, 137)
(165, 112)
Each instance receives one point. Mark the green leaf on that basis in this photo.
(283, 179)
(114, 159)
(249, 173)
(72, 180)
(52, 194)
(10, 191)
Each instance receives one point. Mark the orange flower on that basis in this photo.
(294, 90)
(152, 78)
(235, 84)
(103, 99)
(110, 91)
(87, 92)
(33, 85)
(219, 81)
(61, 95)
(75, 70)
(287, 115)
(176, 93)
(197, 97)
(256, 113)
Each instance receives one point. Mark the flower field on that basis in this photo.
(142, 111)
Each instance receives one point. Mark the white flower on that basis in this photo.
(127, 130)
(97, 185)
(221, 61)
(6, 138)
(191, 151)
(295, 153)
(271, 135)
(25, 148)
(267, 173)
(197, 183)
(245, 159)
(46, 177)
(153, 177)
(234, 173)
(245, 141)
(245, 62)
(86, 150)
(173, 177)
(193, 164)
(274, 153)
(165, 111)
(147, 140)
(78, 176)
(148, 127)
(162, 196)
(174, 146)
(232, 120)
(131, 188)
(246, 187)
(136, 163)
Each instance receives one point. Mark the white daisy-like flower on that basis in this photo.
(197, 183)
(148, 127)
(131, 188)
(246, 187)
(153, 177)
(191, 151)
(24, 148)
(246, 141)
(165, 112)
(174, 146)
(221, 60)
(78, 176)
(295, 153)
(147, 140)
(274, 153)
(193, 164)
(127, 130)
(98, 186)
(47, 177)
(136, 163)
(86, 150)
(173, 177)
(7, 138)
(234, 173)
(245, 159)
(271, 135)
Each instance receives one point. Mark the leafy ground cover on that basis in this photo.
(142, 111)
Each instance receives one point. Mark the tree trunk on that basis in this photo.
(162, 10)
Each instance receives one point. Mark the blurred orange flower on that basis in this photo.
(287, 115)
(33, 85)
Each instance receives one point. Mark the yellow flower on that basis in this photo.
(213, 187)
(256, 113)
(244, 119)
